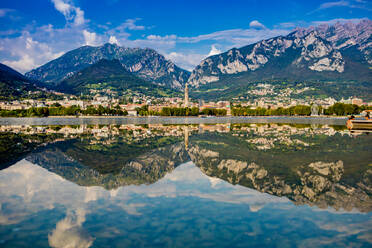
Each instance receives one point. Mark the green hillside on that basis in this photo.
(110, 74)
(14, 86)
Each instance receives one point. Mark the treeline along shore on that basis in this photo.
(338, 109)
(107, 111)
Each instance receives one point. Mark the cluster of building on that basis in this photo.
(269, 96)
(28, 103)
(108, 101)
(285, 103)
(157, 104)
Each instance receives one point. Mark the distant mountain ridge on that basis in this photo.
(145, 63)
(337, 52)
(13, 84)
(7, 73)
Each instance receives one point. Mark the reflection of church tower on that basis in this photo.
(186, 133)
(186, 95)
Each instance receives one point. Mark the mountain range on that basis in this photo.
(337, 52)
(144, 63)
(109, 74)
(336, 59)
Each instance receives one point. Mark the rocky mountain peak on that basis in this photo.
(321, 52)
(357, 32)
(145, 63)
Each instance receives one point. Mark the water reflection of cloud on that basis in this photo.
(93, 194)
(30, 188)
(45, 190)
(214, 181)
(184, 173)
(188, 180)
(132, 208)
(69, 232)
(362, 230)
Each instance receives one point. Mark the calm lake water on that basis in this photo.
(119, 183)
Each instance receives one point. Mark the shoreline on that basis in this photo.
(106, 120)
(159, 116)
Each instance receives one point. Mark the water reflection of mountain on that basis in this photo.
(333, 171)
(15, 146)
(112, 165)
(18, 141)
(310, 165)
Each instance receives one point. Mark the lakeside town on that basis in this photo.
(154, 106)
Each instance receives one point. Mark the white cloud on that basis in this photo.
(356, 4)
(35, 46)
(328, 5)
(49, 42)
(79, 17)
(25, 63)
(237, 36)
(214, 51)
(27, 53)
(340, 20)
(113, 40)
(131, 24)
(186, 61)
(90, 38)
(70, 12)
(161, 45)
(62, 7)
(287, 25)
(158, 37)
(256, 24)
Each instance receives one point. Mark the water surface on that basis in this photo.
(200, 185)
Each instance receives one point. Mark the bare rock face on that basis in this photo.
(335, 170)
(314, 50)
(196, 80)
(329, 174)
(232, 165)
(320, 53)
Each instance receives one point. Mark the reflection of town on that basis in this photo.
(311, 165)
(176, 130)
(259, 136)
(262, 136)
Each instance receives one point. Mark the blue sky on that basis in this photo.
(33, 32)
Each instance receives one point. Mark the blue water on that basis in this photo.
(189, 193)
